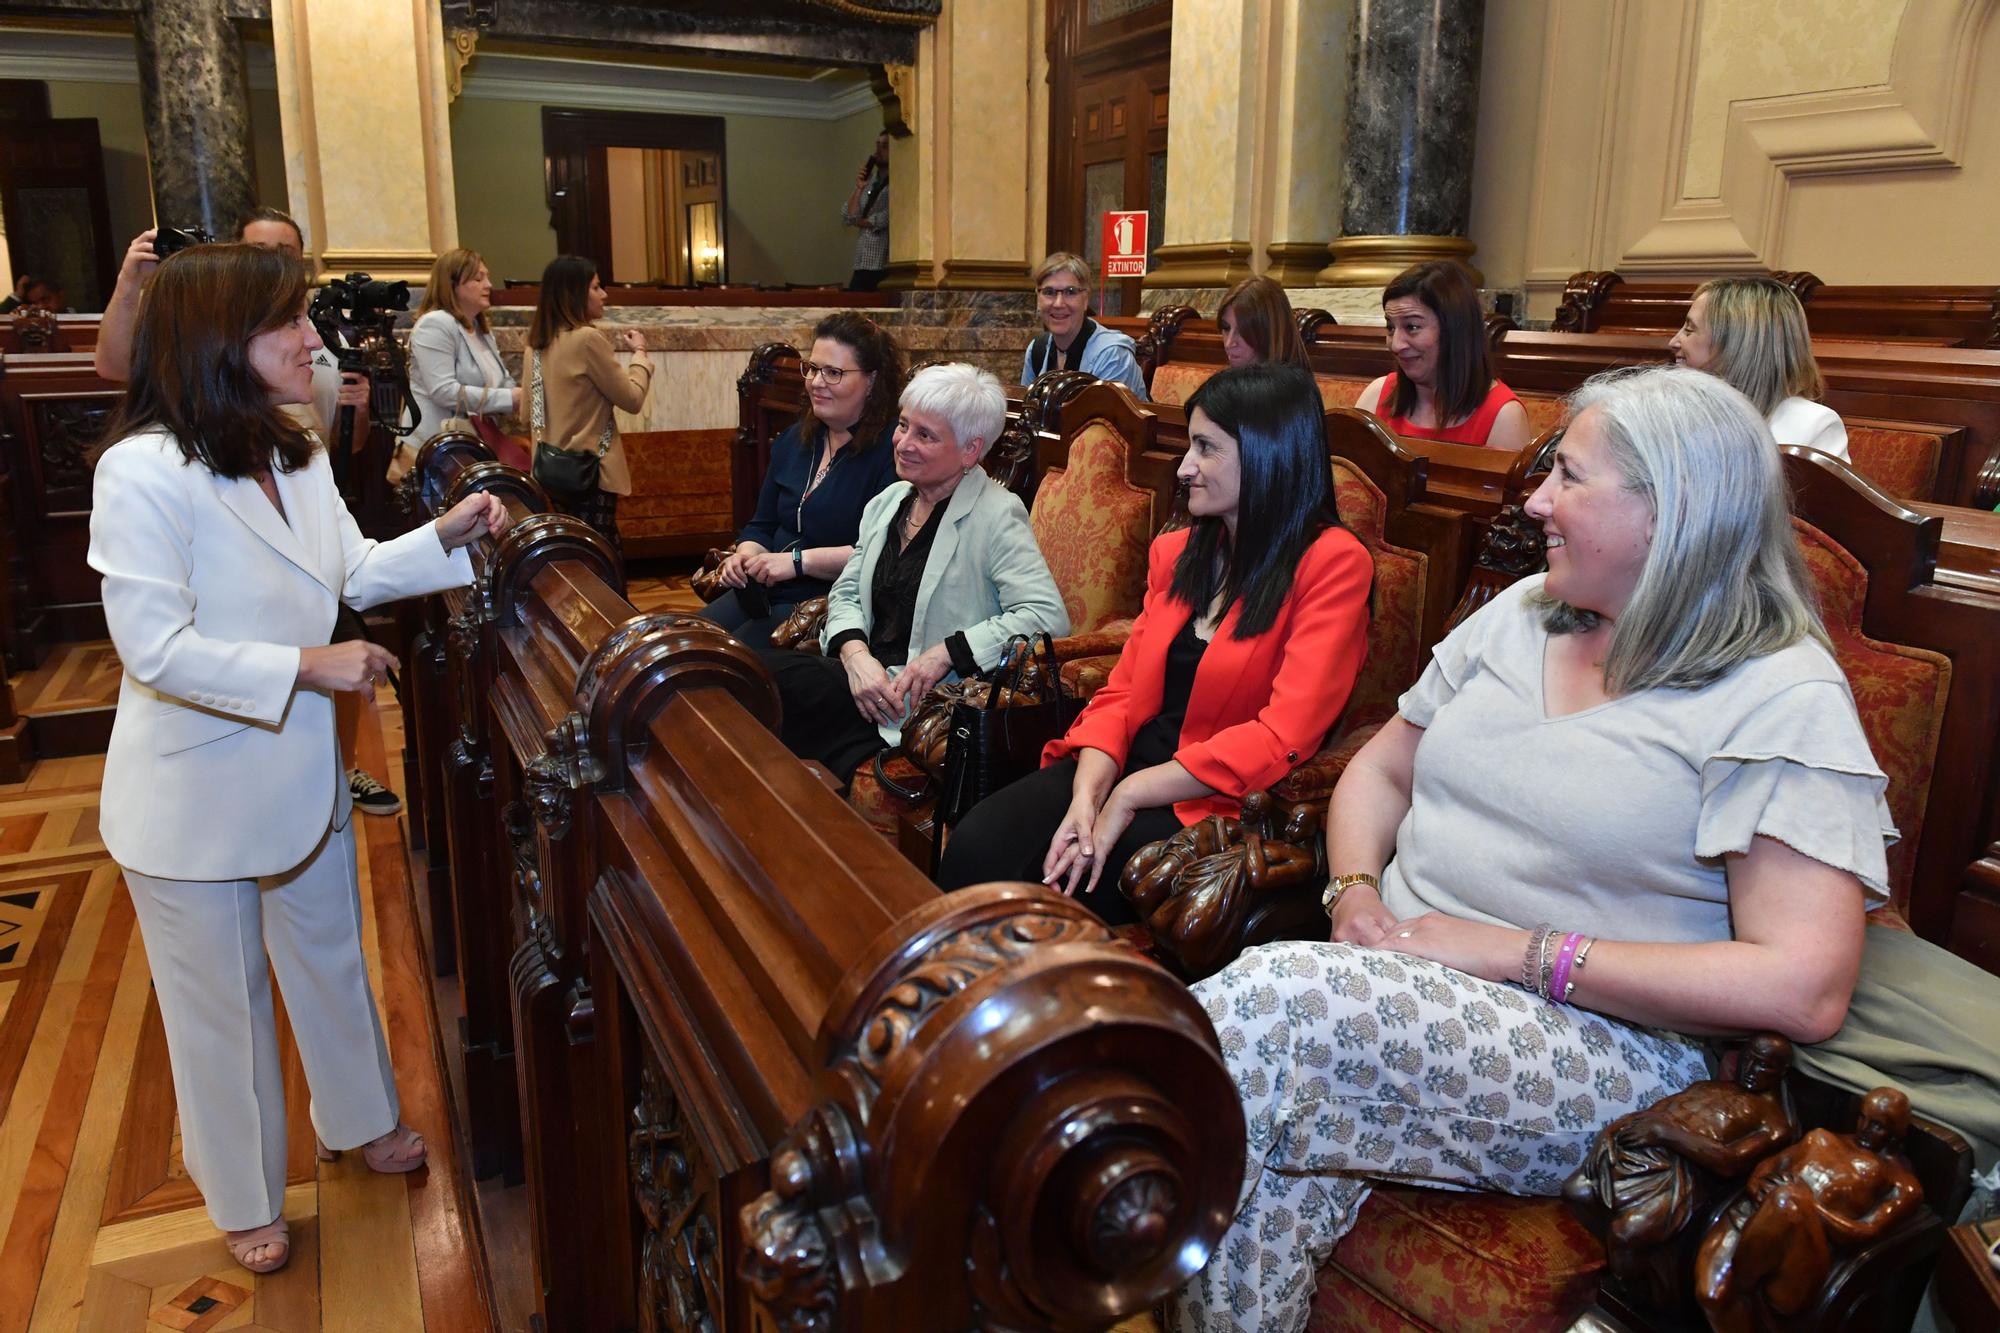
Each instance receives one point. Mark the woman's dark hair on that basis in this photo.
(564, 303)
(1284, 501)
(1464, 372)
(876, 352)
(191, 371)
(1263, 315)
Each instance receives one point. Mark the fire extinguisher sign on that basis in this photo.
(1125, 245)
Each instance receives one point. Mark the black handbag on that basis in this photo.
(998, 738)
(567, 474)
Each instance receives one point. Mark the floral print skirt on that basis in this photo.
(1357, 1064)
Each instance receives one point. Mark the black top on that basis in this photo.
(1155, 742)
(1072, 359)
(787, 518)
(899, 573)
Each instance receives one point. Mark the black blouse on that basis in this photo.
(1155, 742)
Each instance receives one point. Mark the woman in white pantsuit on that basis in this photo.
(225, 552)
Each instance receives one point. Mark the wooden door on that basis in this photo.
(1108, 67)
(56, 218)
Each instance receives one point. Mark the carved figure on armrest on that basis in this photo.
(1646, 1170)
(800, 629)
(1766, 1259)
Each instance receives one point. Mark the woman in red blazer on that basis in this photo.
(1253, 630)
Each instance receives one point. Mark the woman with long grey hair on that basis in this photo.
(1628, 806)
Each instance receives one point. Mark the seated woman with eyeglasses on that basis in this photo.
(1075, 341)
(824, 470)
(1442, 387)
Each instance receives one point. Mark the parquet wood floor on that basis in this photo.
(100, 1229)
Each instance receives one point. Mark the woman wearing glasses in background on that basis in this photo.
(1074, 340)
(824, 470)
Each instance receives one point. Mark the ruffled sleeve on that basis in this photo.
(1798, 769)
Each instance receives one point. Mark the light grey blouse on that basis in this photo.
(1615, 820)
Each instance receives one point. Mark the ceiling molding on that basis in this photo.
(67, 57)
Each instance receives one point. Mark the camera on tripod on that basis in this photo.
(356, 318)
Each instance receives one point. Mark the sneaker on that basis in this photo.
(370, 796)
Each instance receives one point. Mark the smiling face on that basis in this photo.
(1211, 469)
(1061, 300)
(1234, 345)
(1598, 529)
(927, 454)
(474, 293)
(838, 405)
(1413, 338)
(1694, 345)
(593, 301)
(282, 359)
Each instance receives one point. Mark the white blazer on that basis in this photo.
(220, 767)
(447, 376)
(1815, 425)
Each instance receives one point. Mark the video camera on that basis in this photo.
(356, 317)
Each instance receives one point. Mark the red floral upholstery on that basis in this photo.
(1395, 630)
(1472, 1263)
(1175, 381)
(1902, 462)
(879, 806)
(1339, 390)
(1085, 676)
(1093, 526)
(1542, 412)
(1900, 692)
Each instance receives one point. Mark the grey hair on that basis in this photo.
(1723, 580)
(1762, 346)
(969, 399)
(1063, 261)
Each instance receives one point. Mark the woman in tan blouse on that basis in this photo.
(574, 381)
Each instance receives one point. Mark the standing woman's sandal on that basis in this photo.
(400, 1150)
(273, 1240)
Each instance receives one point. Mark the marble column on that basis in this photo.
(197, 114)
(1412, 109)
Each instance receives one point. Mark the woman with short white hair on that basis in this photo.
(1751, 334)
(944, 573)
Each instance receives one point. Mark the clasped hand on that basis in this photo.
(886, 700)
(1473, 947)
(751, 563)
(1089, 830)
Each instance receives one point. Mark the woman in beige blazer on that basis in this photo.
(574, 382)
(226, 551)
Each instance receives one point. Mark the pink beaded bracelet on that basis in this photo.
(1559, 982)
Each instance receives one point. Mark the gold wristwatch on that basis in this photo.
(1330, 897)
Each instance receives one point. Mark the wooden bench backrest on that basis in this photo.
(1965, 316)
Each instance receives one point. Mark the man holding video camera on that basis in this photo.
(269, 229)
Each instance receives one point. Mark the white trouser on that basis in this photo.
(212, 947)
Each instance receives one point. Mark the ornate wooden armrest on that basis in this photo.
(704, 581)
(801, 628)
(1221, 885)
(1105, 641)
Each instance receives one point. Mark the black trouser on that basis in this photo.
(866, 279)
(729, 612)
(1006, 836)
(821, 720)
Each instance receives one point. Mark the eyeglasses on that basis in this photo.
(1059, 293)
(831, 374)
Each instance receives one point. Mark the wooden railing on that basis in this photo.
(744, 1056)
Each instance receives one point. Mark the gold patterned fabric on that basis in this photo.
(1899, 691)
(1902, 462)
(1093, 526)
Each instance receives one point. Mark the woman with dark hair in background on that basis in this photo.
(574, 382)
(1443, 386)
(1257, 325)
(825, 468)
(1252, 632)
(226, 552)
(1751, 334)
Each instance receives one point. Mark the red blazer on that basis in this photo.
(1260, 706)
